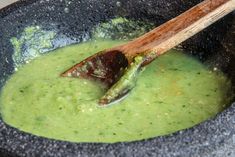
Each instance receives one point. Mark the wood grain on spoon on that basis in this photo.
(179, 29)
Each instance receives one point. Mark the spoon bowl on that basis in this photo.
(106, 67)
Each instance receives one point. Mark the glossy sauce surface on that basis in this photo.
(174, 92)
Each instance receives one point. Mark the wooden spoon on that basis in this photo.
(108, 65)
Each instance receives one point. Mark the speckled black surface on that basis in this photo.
(215, 137)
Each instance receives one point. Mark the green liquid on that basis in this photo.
(173, 93)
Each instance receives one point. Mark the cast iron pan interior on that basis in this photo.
(211, 138)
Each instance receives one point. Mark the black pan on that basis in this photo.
(73, 20)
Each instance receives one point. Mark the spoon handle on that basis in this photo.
(179, 29)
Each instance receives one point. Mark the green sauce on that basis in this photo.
(173, 93)
(33, 42)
